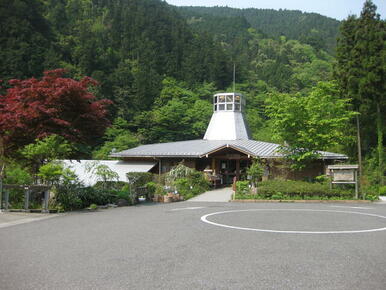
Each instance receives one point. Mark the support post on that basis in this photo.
(237, 169)
(6, 199)
(332, 177)
(1, 193)
(356, 184)
(26, 198)
(45, 201)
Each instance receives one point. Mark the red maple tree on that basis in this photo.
(35, 108)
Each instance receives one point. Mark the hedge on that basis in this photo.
(291, 189)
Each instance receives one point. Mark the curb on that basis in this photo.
(300, 201)
(26, 220)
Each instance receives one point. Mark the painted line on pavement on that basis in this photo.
(187, 208)
(356, 207)
(204, 218)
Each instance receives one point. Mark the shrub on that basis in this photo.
(304, 189)
(151, 187)
(255, 171)
(73, 197)
(290, 189)
(188, 182)
(67, 197)
(184, 187)
(93, 206)
(50, 173)
(15, 174)
(242, 187)
(123, 194)
(104, 174)
(112, 185)
(138, 179)
(177, 172)
(160, 190)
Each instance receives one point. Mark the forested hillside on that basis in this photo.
(115, 42)
(310, 28)
(159, 65)
(136, 49)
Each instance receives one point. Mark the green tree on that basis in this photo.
(51, 172)
(360, 71)
(255, 171)
(47, 149)
(118, 137)
(179, 113)
(121, 142)
(102, 172)
(309, 123)
(25, 38)
(16, 174)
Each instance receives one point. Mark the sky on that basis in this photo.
(338, 9)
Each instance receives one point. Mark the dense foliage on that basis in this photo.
(187, 181)
(310, 123)
(138, 60)
(290, 189)
(311, 28)
(35, 108)
(158, 67)
(361, 73)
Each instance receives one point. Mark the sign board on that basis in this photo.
(343, 175)
(234, 156)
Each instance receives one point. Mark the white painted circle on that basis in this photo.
(204, 218)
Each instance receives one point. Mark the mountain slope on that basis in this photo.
(310, 28)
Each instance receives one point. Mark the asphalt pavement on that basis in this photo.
(189, 245)
(216, 195)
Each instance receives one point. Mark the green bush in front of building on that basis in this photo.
(187, 181)
(293, 190)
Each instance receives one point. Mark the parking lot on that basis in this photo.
(189, 245)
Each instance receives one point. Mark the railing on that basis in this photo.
(27, 194)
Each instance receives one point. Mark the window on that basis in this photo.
(228, 103)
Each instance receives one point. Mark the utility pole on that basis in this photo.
(359, 152)
(234, 77)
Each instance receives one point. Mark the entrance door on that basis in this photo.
(228, 170)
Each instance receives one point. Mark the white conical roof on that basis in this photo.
(227, 122)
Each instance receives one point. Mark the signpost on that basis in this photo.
(344, 174)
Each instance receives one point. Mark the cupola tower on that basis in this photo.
(227, 122)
